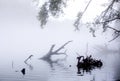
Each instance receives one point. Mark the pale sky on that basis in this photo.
(21, 34)
(20, 29)
(75, 6)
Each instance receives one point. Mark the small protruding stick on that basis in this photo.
(86, 49)
(12, 64)
(51, 49)
(28, 58)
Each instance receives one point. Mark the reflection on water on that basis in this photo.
(57, 70)
(87, 64)
(22, 33)
(23, 71)
(52, 62)
(29, 65)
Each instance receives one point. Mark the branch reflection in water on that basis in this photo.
(28, 64)
(51, 62)
(87, 64)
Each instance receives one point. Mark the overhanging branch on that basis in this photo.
(80, 15)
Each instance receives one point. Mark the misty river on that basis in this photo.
(39, 70)
(21, 36)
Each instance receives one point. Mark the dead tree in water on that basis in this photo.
(56, 52)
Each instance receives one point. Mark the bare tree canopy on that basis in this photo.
(111, 14)
(50, 8)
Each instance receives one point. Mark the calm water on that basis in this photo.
(39, 70)
(21, 36)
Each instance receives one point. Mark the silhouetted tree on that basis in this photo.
(109, 15)
(43, 15)
(50, 8)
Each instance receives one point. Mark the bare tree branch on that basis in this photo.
(117, 33)
(51, 49)
(62, 47)
(80, 15)
(113, 29)
(110, 20)
(56, 52)
(61, 53)
(115, 37)
(108, 8)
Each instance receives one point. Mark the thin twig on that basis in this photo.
(109, 7)
(115, 38)
(28, 58)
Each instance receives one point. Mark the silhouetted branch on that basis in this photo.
(108, 8)
(109, 16)
(51, 49)
(43, 15)
(110, 20)
(61, 53)
(62, 46)
(56, 52)
(80, 15)
(113, 29)
(115, 37)
(116, 32)
(28, 58)
(50, 8)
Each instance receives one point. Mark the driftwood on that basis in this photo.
(87, 64)
(56, 52)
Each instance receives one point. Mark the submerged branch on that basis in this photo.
(62, 46)
(56, 52)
